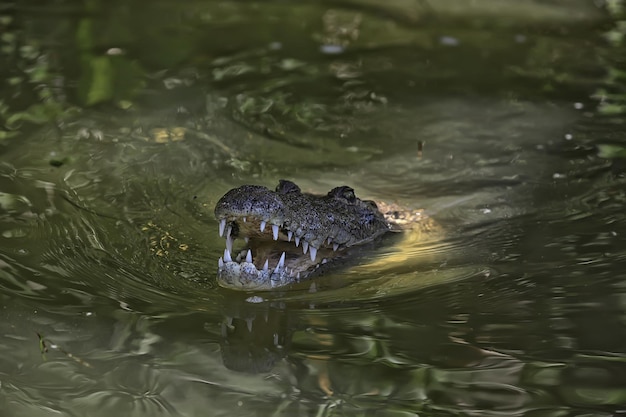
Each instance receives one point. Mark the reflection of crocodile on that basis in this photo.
(276, 223)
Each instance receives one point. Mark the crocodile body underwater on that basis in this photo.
(292, 236)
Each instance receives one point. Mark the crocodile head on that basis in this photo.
(290, 234)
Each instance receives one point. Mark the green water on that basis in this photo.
(125, 122)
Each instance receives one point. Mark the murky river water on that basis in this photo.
(109, 248)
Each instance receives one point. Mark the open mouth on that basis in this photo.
(273, 255)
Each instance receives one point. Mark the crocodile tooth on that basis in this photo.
(275, 231)
(247, 239)
(220, 263)
(227, 257)
(330, 240)
(249, 256)
(263, 225)
(313, 253)
(305, 246)
(298, 276)
(335, 247)
(324, 261)
(244, 219)
(222, 227)
(289, 235)
(266, 265)
(229, 243)
(297, 241)
(281, 263)
(249, 324)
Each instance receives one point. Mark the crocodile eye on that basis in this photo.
(285, 186)
(371, 204)
(348, 194)
(343, 192)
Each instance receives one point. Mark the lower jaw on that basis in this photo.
(247, 276)
(231, 278)
(262, 266)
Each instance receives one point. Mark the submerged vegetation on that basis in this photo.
(46, 80)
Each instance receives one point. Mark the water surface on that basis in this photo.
(109, 247)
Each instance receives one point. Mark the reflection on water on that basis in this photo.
(514, 305)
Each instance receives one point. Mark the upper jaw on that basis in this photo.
(251, 228)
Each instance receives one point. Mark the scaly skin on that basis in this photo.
(291, 234)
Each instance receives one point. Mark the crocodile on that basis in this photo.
(292, 235)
